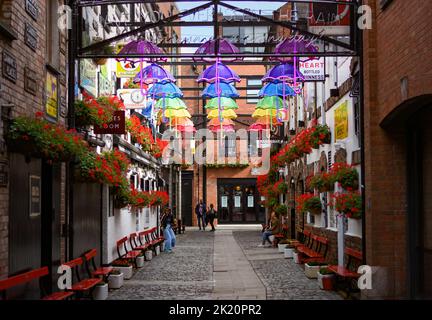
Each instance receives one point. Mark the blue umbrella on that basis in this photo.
(276, 89)
(147, 111)
(167, 89)
(226, 90)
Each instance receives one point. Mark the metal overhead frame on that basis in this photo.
(350, 49)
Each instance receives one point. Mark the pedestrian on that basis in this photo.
(166, 222)
(200, 211)
(211, 215)
(270, 229)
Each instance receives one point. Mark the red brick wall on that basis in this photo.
(398, 46)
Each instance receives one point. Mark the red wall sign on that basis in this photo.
(116, 126)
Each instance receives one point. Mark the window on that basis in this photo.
(252, 94)
(230, 147)
(147, 185)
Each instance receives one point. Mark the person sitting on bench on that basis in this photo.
(271, 229)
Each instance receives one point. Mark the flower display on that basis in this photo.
(107, 168)
(96, 111)
(140, 133)
(39, 137)
(308, 202)
(281, 187)
(322, 182)
(349, 204)
(346, 175)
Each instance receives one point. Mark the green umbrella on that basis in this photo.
(170, 103)
(225, 103)
(270, 102)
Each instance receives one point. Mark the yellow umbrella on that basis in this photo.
(268, 113)
(226, 114)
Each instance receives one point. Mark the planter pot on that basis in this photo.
(140, 261)
(281, 247)
(157, 250)
(288, 253)
(296, 257)
(100, 292)
(312, 271)
(115, 281)
(127, 271)
(326, 281)
(148, 255)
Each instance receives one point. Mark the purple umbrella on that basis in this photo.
(142, 47)
(289, 46)
(284, 72)
(153, 73)
(218, 72)
(222, 46)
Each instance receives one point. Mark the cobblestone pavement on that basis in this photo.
(185, 274)
(283, 279)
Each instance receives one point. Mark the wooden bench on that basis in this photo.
(130, 255)
(29, 276)
(316, 252)
(92, 269)
(306, 240)
(83, 286)
(154, 236)
(349, 271)
(138, 245)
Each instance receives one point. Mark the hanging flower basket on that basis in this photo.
(139, 133)
(346, 175)
(323, 182)
(308, 203)
(348, 204)
(39, 138)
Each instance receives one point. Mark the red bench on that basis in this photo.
(92, 269)
(316, 251)
(138, 245)
(84, 286)
(354, 260)
(130, 255)
(29, 276)
(153, 239)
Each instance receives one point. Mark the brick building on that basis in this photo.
(397, 100)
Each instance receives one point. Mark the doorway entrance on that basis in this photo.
(238, 202)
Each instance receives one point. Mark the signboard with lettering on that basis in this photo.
(341, 121)
(30, 81)
(313, 70)
(116, 126)
(30, 36)
(51, 95)
(31, 7)
(88, 76)
(9, 66)
(35, 196)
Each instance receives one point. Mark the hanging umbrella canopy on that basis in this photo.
(153, 73)
(227, 129)
(225, 103)
(226, 114)
(269, 113)
(283, 72)
(218, 47)
(273, 102)
(183, 124)
(216, 122)
(173, 113)
(268, 121)
(142, 47)
(289, 46)
(276, 89)
(170, 103)
(220, 72)
(225, 89)
(165, 89)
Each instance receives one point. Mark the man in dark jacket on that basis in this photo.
(200, 211)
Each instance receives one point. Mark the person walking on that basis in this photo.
(211, 215)
(170, 238)
(200, 211)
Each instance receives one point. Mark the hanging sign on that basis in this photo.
(127, 69)
(341, 121)
(51, 95)
(132, 98)
(313, 70)
(116, 126)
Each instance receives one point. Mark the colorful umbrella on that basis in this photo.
(226, 90)
(284, 72)
(153, 73)
(225, 103)
(218, 73)
(143, 48)
(170, 103)
(165, 89)
(289, 46)
(276, 89)
(225, 114)
(218, 48)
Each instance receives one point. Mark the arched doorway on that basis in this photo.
(414, 117)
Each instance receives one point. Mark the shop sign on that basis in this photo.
(51, 95)
(35, 196)
(132, 98)
(31, 36)
(9, 66)
(31, 7)
(116, 126)
(313, 70)
(127, 69)
(88, 76)
(341, 121)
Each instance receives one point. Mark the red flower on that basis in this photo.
(39, 114)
